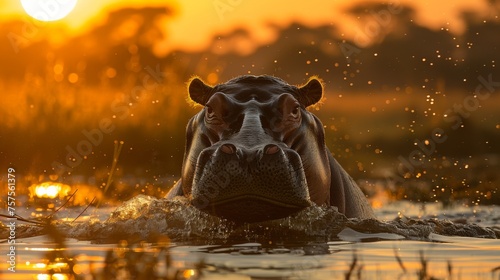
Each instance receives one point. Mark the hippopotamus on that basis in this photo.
(255, 153)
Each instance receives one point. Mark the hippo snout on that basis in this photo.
(250, 184)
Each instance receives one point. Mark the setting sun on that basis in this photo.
(48, 10)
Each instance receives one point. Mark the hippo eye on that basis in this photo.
(295, 112)
(211, 116)
(210, 112)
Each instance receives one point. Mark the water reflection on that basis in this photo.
(384, 259)
(361, 250)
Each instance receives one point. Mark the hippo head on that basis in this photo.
(254, 151)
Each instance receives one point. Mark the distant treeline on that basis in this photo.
(402, 52)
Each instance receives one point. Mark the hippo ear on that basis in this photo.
(311, 92)
(199, 92)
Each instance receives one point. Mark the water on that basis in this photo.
(414, 241)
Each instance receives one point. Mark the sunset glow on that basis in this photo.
(194, 24)
(228, 138)
(48, 10)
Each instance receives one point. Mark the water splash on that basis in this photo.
(147, 218)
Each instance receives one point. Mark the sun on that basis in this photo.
(48, 10)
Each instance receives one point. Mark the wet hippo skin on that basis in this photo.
(254, 153)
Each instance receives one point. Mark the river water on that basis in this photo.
(148, 238)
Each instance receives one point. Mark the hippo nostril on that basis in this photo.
(271, 149)
(228, 149)
(239, 154)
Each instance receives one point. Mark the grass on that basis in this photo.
(366, 141)
(366, 132)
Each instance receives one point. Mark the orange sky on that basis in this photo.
(195, 22)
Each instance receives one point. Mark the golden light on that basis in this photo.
(60, 276)
(52, 191)
(40, 192)
(43, 277)
(188, 273)
(57, 276)
(39, 265)
(48, 10)
(49, 190)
